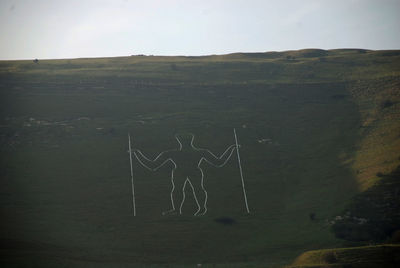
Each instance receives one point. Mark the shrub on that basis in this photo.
(225, 220)
(386, 104)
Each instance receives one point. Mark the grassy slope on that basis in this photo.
(65, 178)
(367, 256)
(379, 102)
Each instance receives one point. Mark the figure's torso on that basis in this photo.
(186, 160)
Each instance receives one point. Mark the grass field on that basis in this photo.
(366, 256)
(308, 123)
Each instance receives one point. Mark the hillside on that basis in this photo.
(317, 128)
(367, 256)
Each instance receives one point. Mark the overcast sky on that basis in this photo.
(100, 28)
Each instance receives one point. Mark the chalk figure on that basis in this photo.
(186, 161)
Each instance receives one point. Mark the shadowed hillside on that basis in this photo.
(316, 129)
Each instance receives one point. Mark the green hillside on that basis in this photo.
(316, 128)
(367, 256)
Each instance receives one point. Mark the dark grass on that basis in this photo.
(65, 188)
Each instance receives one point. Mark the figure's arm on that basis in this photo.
(152, 165)
(220, 161)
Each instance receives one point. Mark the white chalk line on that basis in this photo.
(133, 186)
(187, 179)
(241, 172)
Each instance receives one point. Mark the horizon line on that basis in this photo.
(198, 56)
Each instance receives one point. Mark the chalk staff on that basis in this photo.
(133, 186)
(241, 172)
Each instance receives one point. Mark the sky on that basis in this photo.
(47, 29)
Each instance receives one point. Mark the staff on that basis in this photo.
(241, 172)
(133, 186)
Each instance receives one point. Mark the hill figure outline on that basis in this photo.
(186, 160)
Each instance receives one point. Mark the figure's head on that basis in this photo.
(185, 139)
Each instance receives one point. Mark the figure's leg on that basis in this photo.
(172, 210)
(176, 193)
(180, 195)
(200, 194)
